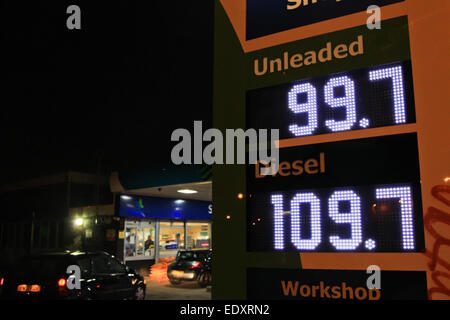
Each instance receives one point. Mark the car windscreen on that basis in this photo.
(192, 255)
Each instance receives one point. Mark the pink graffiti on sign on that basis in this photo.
(432, 217)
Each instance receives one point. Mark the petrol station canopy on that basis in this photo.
(165, 181)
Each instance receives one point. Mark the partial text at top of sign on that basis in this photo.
(265, 17)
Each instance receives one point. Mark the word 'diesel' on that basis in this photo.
(295, 168)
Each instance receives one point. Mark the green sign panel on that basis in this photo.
(357, 59)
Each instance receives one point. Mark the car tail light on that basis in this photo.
(196, 264)
(61, 282)
(62, 287)
(35, 288)
(2, 281)
(22, 288)
(28, 288)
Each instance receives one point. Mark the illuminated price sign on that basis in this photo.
(361, 218)
(354, 100)
(320, 200)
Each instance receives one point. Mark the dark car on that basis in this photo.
(44, 276)
(191, 265)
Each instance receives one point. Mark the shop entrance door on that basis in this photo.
(139, 240)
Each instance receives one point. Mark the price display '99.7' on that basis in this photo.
(359, 99)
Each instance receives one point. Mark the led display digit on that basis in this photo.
(360, 99)
(375, 218)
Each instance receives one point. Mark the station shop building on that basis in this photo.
(161, 210)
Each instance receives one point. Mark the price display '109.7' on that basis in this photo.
(382, 218)
(359, 99)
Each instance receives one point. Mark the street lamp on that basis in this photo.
(78, 222)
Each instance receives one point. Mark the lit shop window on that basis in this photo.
(130, 242)
(198, 235)
(171, 238)
(140, 240)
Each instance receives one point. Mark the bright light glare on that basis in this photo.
(62, 282)
(125, 197)
(79, 222)
(187, 191)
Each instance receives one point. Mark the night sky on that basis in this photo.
(114, 90)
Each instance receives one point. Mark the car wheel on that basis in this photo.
(174, 281)
(139, 294)
(204, 279)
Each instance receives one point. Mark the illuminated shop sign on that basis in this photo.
(350, 196)
(164, 208)
(367, 98)
(265, 17)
